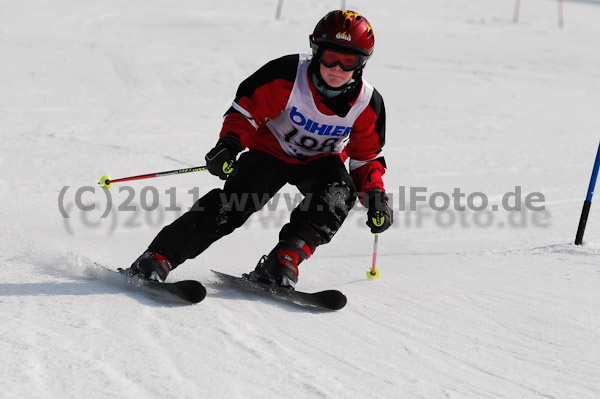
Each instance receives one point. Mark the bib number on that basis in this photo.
(309, 143)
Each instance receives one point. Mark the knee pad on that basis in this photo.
(338, 197)
(327, 209)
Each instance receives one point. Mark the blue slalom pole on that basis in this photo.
(588, 200)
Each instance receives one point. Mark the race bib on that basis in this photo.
(303, 131)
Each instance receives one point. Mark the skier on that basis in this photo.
(301, 117)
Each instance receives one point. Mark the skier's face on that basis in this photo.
(336, 76)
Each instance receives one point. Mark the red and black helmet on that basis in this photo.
(345, 31)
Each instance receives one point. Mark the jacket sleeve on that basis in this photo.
(259, 98)
(365, 149)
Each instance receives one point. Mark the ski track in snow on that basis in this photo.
(506, 310)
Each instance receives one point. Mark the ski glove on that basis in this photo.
(380, 215)
(221, 160)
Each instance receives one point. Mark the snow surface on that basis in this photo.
(466, 306)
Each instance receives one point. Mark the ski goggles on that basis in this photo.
(346, 61)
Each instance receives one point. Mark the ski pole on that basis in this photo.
(587, 204)
(373, 272)
(107, 182)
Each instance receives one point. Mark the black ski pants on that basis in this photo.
(327, 187)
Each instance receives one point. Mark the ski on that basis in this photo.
(330, 299)
(186, 291)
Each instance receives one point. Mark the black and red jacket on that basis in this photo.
(264, 95)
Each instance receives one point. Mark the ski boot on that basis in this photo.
(280, 267)
(149, 266)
